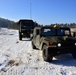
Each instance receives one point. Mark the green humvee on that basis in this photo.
(53, 41)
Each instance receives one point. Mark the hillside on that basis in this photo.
(5, 22)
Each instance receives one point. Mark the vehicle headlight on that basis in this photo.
(75, 44)
(22, 33)
(59, 44)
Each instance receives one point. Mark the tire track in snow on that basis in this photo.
(31, 61)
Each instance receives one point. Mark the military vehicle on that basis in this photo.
(53, 41)
(25, 28)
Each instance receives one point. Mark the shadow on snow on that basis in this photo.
(65, 60)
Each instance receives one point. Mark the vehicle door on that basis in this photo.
(37, 38)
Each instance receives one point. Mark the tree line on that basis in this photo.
(5, 23)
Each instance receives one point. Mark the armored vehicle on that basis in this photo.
(53, 41)
(25, 28)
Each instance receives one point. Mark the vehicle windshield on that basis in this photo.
(55, 32)
(27, 25)
(48, 31)
(63, 32)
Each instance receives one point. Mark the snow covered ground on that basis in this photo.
(18, 58)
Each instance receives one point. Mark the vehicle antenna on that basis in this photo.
(30, 11)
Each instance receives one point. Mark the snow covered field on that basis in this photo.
(18, 58)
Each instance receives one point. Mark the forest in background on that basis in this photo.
(5, 23)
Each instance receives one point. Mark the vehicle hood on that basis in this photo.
(60, 39)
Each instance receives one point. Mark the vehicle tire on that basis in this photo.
(33, 46)
(46, 55)
(20, 36)
(74, 55)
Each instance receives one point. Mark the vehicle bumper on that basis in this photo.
(26, 33)
(53, 51)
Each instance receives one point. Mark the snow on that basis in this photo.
(18, 58)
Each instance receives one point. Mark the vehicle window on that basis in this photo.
(27, 25)
(55, 32)
(67, 32)
(48, 31)
(63, 32)
(60, 32)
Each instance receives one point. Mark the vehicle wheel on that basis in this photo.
(74, 55)
(46, 55)
(33, 46)
(20, 36)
